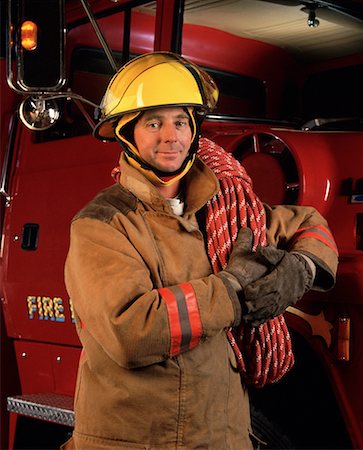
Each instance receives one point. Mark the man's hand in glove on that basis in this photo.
(289, 278)
(243, 266)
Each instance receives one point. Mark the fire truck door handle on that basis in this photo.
(359, 231)
(8, 157)
(29, 239)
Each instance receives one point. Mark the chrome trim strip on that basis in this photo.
(49, 407)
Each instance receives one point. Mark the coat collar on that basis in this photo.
(200, 186)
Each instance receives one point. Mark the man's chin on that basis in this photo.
(168, 168)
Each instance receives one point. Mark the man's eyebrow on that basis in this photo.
(152, 116)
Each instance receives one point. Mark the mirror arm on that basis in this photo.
(99, 34)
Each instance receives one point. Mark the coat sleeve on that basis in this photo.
(304, 229)
(119, 310)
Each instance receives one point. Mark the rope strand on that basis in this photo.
(264, 353)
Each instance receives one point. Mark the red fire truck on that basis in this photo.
(290, 76)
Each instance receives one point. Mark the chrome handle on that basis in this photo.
(8, 156)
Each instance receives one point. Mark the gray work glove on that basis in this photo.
(243, 266)
(289, 278)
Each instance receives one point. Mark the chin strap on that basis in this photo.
(160, 180)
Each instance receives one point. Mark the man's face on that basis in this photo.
(163, 137)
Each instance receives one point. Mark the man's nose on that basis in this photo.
(169, 133)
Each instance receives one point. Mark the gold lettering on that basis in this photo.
(31, 306)
(72, 311)
(48, 308)
(58, 309)
(40, 308)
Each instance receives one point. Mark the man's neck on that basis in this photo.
(170, 191)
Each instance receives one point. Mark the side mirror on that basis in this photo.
(36, 41)
(38, 113)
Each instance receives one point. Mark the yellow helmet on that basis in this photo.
(154, 80)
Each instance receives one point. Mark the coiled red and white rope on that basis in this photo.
(264, 354)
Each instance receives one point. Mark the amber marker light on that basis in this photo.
(29, 35)
(343, 338)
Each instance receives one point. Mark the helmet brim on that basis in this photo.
(105, 128)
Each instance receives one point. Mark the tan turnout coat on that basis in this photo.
(139, 387)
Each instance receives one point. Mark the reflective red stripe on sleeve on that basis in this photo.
(194, 316)
(184, 318)
(318, 232)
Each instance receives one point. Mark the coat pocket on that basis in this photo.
(87, 442)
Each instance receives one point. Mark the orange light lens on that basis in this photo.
(29, 35)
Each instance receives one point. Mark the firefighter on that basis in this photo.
(157, 370)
